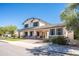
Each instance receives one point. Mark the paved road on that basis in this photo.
(7, 49)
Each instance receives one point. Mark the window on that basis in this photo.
(59, 31)
(52, 31)
(26, 33)
(31, 33)
(35, 24)
(26, 25)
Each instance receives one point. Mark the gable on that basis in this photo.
(31, 20)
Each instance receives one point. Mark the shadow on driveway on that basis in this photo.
(50, 50)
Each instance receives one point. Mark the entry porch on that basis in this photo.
(36, 34)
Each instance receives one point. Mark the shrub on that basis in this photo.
(76, 36)
(61, 40)
(46, 40)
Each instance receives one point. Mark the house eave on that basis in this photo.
(43, 27)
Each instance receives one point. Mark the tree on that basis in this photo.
(1, 31)
(8, 29)
(11, 29)
(70, 17)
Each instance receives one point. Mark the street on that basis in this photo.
(7, 49)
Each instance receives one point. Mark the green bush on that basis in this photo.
(46, 40)
(61, 40)
(76, 36)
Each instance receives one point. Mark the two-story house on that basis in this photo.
(37, 28)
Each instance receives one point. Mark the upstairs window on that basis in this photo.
(35, 24)
(59, 31)
(26, 25)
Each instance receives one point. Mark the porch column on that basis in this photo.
(34, 34)
(28, 33)
(55, 31)
(48, 33)
(21, 34)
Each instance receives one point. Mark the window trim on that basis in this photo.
(34, 25)
(26, 26)
(52, 33)
(61, 31)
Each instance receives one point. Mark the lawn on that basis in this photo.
(13, 39)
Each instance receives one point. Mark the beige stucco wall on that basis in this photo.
(35, 20)
(69, 34)
(22, 34)
(41, 24)
(66, 33)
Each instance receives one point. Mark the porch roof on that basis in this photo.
(44, 27)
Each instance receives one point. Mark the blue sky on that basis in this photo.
(16, 14)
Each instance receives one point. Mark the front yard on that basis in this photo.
(11, 39)
(14, 39)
